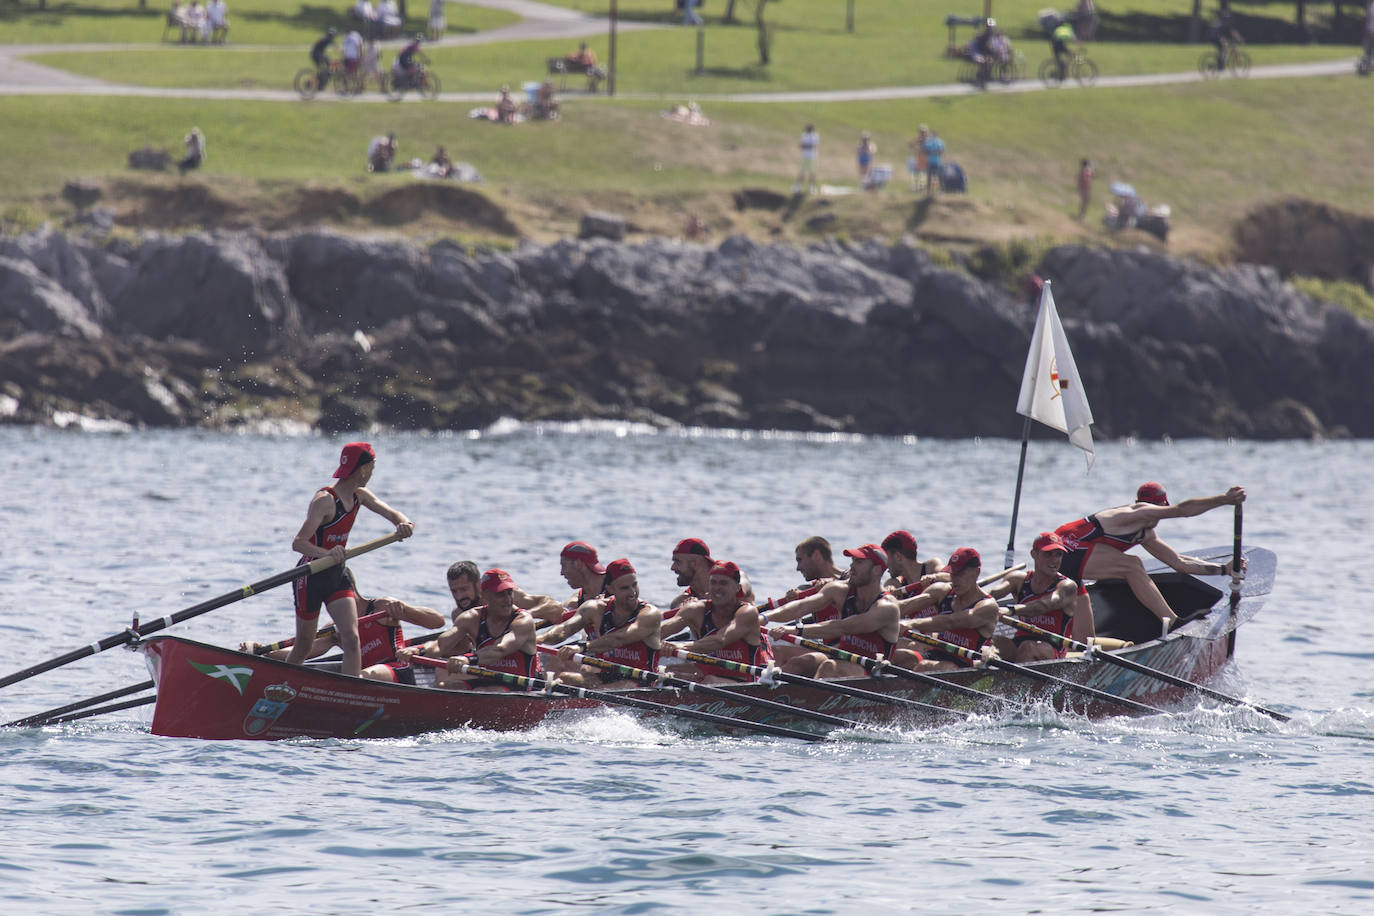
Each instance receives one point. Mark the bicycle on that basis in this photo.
(308, 79)
(1080, 68)
(1236, 60)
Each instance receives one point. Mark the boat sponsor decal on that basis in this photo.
(269, 707)
(236, 677)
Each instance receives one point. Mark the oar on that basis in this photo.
(113, 707)
(830, 686)
(994, 662)
(132, 633)
(1237, 576)
(646, 677)
(42, 718)
(552, 685)
(326, 630)
(1092, 652)
(875, 667)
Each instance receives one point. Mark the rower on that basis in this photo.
(325, 534)
(724, 625)
(1046, 598)
(1121, 528)
(865, 625)
(815, 561)
(583, 572)
(380, 638)
(692, 564)
(496, 635)
(966, 616)
(906, 569)
(623, 628)
(462, 585)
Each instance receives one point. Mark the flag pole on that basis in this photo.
(1016, 503)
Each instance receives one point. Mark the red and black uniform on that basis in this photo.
(1082, 538)
(1059, 620)
(869, 644)
(328, 584)
(737, 651)
(966, 637)
(517, 662)
(636, 654)
(380, 643)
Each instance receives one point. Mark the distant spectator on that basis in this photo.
(441, 164)
(1085, 20)
(865, 153)
(218, 15)
(689, 12)
(1032, 286)
(935, 152)
(372, 61)
(1059, 47)
(545, 102)
(696, 229)
(585, 60)
(1222, 35)
(366, 15)
(506, 107)
(1369, 30)
(195, 151)
(438, 22)
(389, 18)
(1085, 186)
(352, 51)
(405, 67)
(319, 54)
(381, 153)
(191, 17)
(203, 27)
(173, 21)
(918, 164)
(810, 151)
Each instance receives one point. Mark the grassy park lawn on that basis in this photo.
(252, 22)
(1212, 151)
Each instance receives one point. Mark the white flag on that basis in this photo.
(1051, 390)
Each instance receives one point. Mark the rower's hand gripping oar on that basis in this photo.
(132, 633)
(902, 591)
(992, 660)
(551, 685)
(663, 678)
(772, 674)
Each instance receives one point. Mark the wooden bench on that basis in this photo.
(562, 66)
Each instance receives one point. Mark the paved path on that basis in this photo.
(542, 21)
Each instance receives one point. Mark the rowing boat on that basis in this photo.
(206, 691)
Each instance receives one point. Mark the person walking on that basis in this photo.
(1085, 186)
(935, 151)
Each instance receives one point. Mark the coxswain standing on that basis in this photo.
(1121, 528)
(965, 617)
(725, 625)
(325, 534)
(692, 564)
(867, 622)
(622, 629)
(1046, 598)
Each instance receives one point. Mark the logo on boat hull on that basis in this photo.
(236, 677)
(269, 707)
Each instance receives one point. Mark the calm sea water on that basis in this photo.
(1206, 811)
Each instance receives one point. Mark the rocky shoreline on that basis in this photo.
(335, 332)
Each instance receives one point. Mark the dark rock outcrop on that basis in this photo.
(346, 333)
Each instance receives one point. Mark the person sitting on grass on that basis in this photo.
(195, 151)
(506, 108)
(381, 153)
(545, 103)
(441, 164)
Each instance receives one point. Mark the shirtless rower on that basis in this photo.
(692, 564)
(906, 569)
(865, 625)
(496, 635)
(1046, 598)
(1097, 544)
(380, 638)
(966, 616)
(725, 625)
(325, 534)
(622, 628)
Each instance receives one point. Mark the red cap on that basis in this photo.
(497, 580)
(352, 456)
(727, 569)
(868, 552)
(585, 553)
(961, 560)
(1152, 492)
(904, 541)
(1048, 540)
(617, 568)
(694, 546)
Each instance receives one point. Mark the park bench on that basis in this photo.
(954, 49)
(562, 66)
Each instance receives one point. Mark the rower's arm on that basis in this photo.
(744, 624)
(795, 610)
(400, 612)
(688, 614)
(644, 627)
(320, 508)
(1161, 551)
(404, 526)
(881, 615)
(1008, 585)
(561, 631)
(541, 607)
(521, 633)
(981, 616)
(1199, 504)
(912, 607)
(1062, 597)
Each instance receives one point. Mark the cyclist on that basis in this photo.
(981, 49)
(352, 51)
(406, 68)
(319, 54)
(1223, 35)
(1059, 46)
